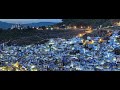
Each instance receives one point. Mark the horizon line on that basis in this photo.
(29, 22)
(26, 21)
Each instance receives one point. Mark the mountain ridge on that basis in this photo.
(6, 25)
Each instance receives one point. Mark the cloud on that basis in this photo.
(29, 20)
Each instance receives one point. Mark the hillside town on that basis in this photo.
(76, 54)
(82, 52)
(63, 27)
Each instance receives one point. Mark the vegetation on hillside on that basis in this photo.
(32, 36)
(29, 36)
(89, 22)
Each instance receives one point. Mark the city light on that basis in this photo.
(51, 28)
(69, 27)
(101, 40)
(61, 47)
(84, 42)
(81, 35)
(81, 27)
(16, 64)
(74, 27)
(117, 23)
(89, 29)
(91, 42)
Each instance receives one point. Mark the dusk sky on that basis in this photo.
(22, 21)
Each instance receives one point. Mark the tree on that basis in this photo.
(84, 22)
(28, 27)
(43, 27)
(1, 30)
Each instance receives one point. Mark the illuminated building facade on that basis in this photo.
(17, 26)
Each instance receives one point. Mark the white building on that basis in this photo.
(18, 26)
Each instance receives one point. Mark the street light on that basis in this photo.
(74, 27)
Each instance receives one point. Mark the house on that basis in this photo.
(17, 26)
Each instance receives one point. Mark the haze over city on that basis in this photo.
(24, 21)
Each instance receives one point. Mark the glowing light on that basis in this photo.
(89, 27)
(68, 27)
(78, 68)
(51, 28)
(89, 30)
(114, 59)
(33, 68)
(80, 35)
(101, 40)
(3, 68)
(91, 42)
(70, 42)
(16, 64)
(74, 27)
(73, 48)
(54, 48)
(9, 69)
(51, 42)
(81, 27)
(84, 42)
(72, 65)
(117, 23)
(6, 62)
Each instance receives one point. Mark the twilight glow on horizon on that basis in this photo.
(24, 21)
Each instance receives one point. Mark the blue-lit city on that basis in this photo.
(60, 45)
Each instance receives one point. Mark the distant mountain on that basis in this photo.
(5, 25)
(40, 24)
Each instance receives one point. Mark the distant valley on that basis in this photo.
(5, 25)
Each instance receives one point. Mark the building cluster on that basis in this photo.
(17, 26)
(61, 27)
(75, 54)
